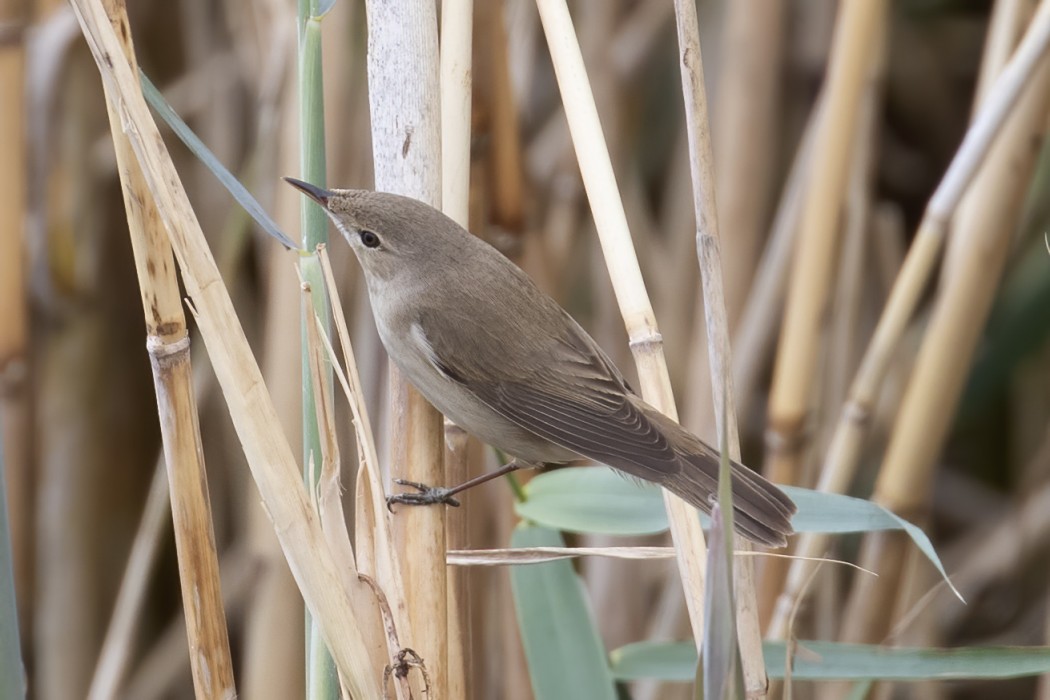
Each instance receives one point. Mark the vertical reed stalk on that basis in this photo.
(403, 82)
(457, 20)
(322, 682)
(168, 345)
(15, 434)
(622, 263)
(708, 249)
(852, 52)
(267, 450)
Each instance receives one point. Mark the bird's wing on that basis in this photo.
(577, 399)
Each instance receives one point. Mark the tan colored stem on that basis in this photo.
(854, 47)
(15, 410)
(168, 344)
(622, 263)
(265, 447)
(404, 95)
(708, 244)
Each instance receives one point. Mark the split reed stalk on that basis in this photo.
(844, 452)
(15, 413)
(710, 257)
(251, 409)
(625, 275)
(853, 50)
(404, 95)
(168, 344)
(457, 20)
(984, 225)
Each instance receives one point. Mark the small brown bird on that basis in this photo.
(503, 361)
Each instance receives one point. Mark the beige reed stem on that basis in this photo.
(622, 262)
(710, 257)
(404, 95)
(457, 20)
(168, 344)
(853, 50)
(14, 321)
(265, 446)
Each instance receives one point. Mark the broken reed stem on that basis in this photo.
(701, 167)
(168, 344)
(255, 420)
(403, 93)
(625, 275)
(457, 18)
(844, 451)
(853, 50)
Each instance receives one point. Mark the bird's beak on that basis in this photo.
(318, 194)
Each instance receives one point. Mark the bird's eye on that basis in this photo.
(369, 239)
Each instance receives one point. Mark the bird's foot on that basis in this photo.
(425, 496)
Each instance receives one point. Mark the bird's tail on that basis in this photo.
(761, 511)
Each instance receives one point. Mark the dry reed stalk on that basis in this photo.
(274, 666)
(853, 50)
(254, 418)
(375, 554)
(506, 178)
(708, 245)
(745, 126)
(844, 451)
(457, 463)
(168, 344)
(840, 353)
(1006, 25)
(759, 321)
(457, 20)
(403, 82)
(116, 653)
(622, 263)
(983, 231)
(15, 433)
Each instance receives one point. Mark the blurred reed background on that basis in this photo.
(817, 209)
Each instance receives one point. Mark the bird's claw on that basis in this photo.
(426, 496)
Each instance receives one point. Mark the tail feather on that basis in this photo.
(761, 511)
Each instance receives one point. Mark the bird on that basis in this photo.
(502, 360)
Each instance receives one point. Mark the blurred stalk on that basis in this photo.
(709, 254)
(854, 47)
(15, 426)
(622, 263)
(322, 681)
(844, 452)
(983, 229)
(403, 92)
(12, 670)
(169, 348)
(457, 20)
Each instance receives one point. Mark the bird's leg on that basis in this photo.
(432, 495)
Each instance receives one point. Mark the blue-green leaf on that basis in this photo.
(598, 500)
(815, 661)
(565, 654)
(204, 154)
